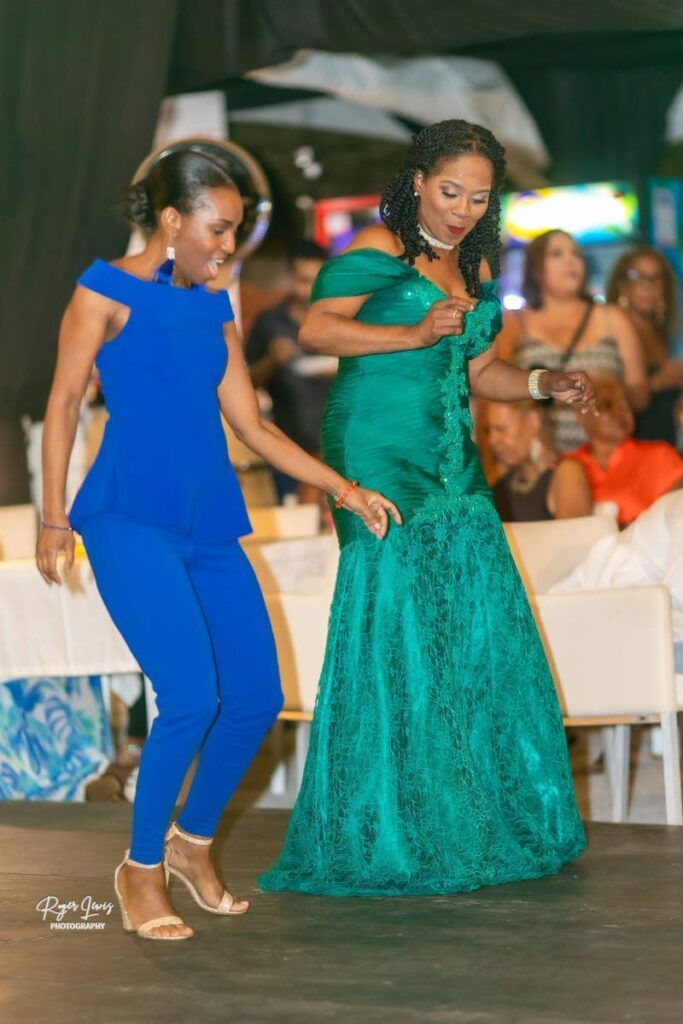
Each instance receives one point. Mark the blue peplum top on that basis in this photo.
(164, 457)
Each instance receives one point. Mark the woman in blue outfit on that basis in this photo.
(160, 513)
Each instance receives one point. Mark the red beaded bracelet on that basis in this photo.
(344, 494)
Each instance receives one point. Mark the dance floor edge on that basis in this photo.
(600, 942)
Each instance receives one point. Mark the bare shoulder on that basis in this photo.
(85, 302)
(377, 236)
(569, 471)
(617, 317)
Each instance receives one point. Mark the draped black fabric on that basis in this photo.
(81, 84)
(219, 39)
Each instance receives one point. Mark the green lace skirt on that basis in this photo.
(438, 761)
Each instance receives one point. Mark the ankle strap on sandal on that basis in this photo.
(175, 830)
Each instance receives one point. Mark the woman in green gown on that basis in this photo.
(438, 761)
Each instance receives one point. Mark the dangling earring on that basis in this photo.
(535, 450)
(164, 273)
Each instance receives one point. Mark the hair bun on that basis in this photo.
(137, 206)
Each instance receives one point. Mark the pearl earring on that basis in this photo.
(416, 194)
(170, 252)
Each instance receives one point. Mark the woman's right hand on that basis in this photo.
(50, 544)
(374, 509)
(444, 318)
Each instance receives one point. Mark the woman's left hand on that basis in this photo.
(372, 507)
(573, 388)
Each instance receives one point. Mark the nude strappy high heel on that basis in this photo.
(145, 929)
(227, 900)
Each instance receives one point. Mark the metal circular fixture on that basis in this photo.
(244, 171)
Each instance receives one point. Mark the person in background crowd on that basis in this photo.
(642, 283)
(620, 469)
(537, 484)
(275, 362)
(561, 329)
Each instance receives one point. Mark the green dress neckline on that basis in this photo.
(488, 286)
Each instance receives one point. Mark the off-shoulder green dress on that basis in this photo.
(438, 761)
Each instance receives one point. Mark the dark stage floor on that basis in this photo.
(601, 942)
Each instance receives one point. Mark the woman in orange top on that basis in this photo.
(620, 469)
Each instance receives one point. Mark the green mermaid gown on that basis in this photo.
(438, 761)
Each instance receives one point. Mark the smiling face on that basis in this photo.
(205, 237)
(454, 198)
(564, 271)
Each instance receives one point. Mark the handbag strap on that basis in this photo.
(576, 337)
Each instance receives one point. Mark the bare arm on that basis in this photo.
(330, 328)
(669, 375)
(635, 377)
(82, 333)
(569, 495)
(498, 381)
(239, 406)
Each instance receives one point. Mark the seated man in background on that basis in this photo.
(630, 474)
(297, 383)
(536, 484)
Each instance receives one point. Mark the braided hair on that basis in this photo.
(398, 206)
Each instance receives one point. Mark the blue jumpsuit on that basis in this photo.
(160, 513)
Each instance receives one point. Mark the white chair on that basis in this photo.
(18, 532)
(297, 578)
(610, 651)
(283, 522)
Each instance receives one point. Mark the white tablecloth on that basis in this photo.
(66, 631)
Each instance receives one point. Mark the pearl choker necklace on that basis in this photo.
(434, 242)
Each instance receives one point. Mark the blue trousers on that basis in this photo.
(194, 618)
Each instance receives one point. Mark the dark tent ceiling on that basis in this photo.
(220, 39)
(81, 83)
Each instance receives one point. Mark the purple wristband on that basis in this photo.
(50, 526)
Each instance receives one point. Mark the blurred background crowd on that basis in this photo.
(314, 110)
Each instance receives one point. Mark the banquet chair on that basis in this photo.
(610, 651)
(297, 578)
(18, 532)
(283, 522)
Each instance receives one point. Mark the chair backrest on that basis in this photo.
(284, 522)
(545, 552)
(302, 566)
(610, 651)
(18, 531)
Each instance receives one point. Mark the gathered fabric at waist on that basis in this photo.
(157, 482)
(392, 439)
